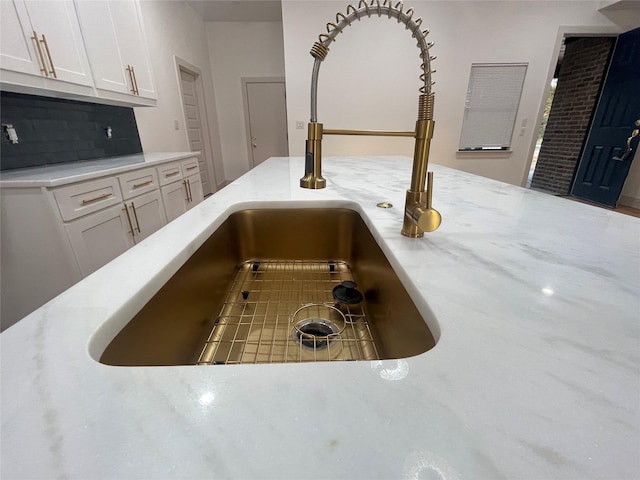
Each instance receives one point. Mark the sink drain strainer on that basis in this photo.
(316, 326)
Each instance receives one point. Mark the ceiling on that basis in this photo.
(238, 10)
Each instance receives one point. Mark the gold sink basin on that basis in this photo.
(261, 290)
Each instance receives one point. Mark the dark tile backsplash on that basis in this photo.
(53, 130)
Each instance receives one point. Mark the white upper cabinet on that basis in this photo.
(91, 50)
(116, 45)
(43, 38)
(17, 49)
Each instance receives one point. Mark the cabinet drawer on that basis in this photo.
(169, 173)
(189, 166)
(138, 182)
(80, 199)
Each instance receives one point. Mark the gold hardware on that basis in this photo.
(43, 67)
(143, 184)
(419, 216)
(187, 188)
(172, 174)
(134, 89)
(135, 81)
(191, 168)
(101, 197)
(46, 47)
(313, 159)
(371, 133)
(126, 210)
(627, 152)
(384, 205)
(135, 216)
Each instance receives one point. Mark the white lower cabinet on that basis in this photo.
(185, 190)
(146, 215)
(98, 238)
(51, 237)
(174, 197)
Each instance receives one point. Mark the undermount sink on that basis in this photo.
(261, 290)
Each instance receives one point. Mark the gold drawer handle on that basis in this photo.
(101, 197)
(143, 184)
(191, 168)
(171, 174)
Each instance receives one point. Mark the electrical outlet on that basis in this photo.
(299, 125)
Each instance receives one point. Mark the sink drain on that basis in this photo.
(316, 326)
(315, 333)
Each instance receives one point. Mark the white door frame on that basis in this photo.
(245, 102)
(202, 107)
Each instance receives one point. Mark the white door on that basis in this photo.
(266, 104)
(100, 237)
(148, 214)
(60, 39)
(192, 113)
(174, 197)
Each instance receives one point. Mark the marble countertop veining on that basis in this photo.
(63, 173)
(536, 372)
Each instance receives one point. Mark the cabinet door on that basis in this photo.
(63, 50)
(195, 187)
(133, 46)
(101, 42)
(17, 50)
(147, 214)
(174, 197)
(98, 238)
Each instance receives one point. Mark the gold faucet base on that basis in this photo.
(313, 182)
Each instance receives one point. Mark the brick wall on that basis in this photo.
(579, 81)
(58, 131)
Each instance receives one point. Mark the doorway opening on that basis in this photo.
(265, 113)
(195, 121)
(571, 102)
(585, 152)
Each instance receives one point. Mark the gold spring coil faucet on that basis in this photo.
(419, 216)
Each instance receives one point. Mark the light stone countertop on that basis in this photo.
(536, 372)
(63, 173)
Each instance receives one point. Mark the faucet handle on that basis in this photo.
(420, 216)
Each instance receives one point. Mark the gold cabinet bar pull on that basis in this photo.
(129, 69)
(126, 210)
(43, 65)
(172, 174)
(135, 81)
(187, 190)
(143, 184)
(135, 216)
(101, 197)
(191, 168)
(46, 48)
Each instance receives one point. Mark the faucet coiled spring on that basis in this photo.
(320, 49)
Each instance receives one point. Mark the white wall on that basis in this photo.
(240, 49)
(370, 77)
(175, 29)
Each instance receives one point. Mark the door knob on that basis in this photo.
(255, 146)
(627, 152)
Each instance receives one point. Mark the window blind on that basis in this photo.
(493, 97)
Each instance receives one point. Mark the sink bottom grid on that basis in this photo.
(256, 322)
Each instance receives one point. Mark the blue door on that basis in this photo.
(613, 138)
